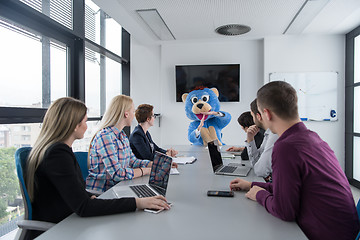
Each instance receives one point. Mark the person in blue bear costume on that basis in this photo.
(202, 105)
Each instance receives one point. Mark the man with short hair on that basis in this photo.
(309, 186)
(260, 158)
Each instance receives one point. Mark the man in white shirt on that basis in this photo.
(260, 158)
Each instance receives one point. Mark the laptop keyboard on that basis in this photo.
(142, 191)
(228, 169)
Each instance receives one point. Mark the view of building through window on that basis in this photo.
(43, 79)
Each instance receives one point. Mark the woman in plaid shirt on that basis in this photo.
(110, 155)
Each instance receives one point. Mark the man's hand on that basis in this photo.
(239, 184)
(251, 132)
(253, 191)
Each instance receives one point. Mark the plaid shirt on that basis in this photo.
(111, 160)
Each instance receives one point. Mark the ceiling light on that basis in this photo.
(232, 29)
(156, 23)
(305, 15)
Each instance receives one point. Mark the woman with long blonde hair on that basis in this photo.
(110, 157)
(53, 176)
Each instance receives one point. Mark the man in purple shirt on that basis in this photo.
(308, 186)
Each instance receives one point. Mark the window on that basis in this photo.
(60, 11)
(37, 84)
(101, 28)
(42, 53)
(12, 138)
(357, 59)
(352, 107)
(102, 82)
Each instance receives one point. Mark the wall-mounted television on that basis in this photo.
(224, 77)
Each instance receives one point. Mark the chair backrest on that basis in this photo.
(21, 156)
(82, 159)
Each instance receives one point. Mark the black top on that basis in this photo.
(258, 141)
(60, 190)
(140, 144)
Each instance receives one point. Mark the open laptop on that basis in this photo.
(158, 180)
(220, 169)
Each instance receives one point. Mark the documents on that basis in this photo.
(184, 160)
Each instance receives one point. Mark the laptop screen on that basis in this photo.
(215, 155)
(160, 172)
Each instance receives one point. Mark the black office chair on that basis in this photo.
(21, 156)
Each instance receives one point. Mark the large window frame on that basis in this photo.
(349, 106)
(75, 40)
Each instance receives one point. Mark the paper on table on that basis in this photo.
(174, 171)
(184, 160)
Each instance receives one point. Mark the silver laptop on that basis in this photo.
(158, 180)
(220, 169)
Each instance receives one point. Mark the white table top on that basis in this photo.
(193, 215)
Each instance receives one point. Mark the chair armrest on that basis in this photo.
(34, 225)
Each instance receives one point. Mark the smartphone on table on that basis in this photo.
(215, 193)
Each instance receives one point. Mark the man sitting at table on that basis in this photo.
(309, 186)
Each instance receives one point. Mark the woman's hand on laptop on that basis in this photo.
(157, 202)
(239, 184)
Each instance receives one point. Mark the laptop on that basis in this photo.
(158, 180)
(220, 169)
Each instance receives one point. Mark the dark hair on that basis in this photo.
(143, 112)
(279, 97)
(253, 107)
(246, 120)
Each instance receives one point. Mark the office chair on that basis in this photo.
(358, 212)
(21, 156)
(82, 159)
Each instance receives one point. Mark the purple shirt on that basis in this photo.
(309, 187)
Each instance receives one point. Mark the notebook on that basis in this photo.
(158, 180)
(220, 169)
(184, 160)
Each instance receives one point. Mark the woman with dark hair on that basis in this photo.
(141, 142)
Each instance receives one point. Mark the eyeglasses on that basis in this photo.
(154, 116)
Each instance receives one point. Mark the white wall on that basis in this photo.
(174, 123)
(313, 54)
(145, 84)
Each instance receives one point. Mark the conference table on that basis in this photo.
(193, 215)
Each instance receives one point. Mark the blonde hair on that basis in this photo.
(116, 111)
(59, 123)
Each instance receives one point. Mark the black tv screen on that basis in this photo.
(224, 77)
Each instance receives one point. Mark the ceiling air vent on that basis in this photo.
(232, 29)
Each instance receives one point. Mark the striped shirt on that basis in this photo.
(111, 160)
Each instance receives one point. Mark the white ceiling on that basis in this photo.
(197, 19)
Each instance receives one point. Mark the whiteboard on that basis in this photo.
(316, 91)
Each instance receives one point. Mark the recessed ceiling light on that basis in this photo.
(232, 29)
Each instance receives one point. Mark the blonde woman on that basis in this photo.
(110, 156)
(53, 177)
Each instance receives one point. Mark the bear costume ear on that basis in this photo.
(183, 97)
(215, 91)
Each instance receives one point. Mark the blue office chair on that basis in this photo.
(21, 156)
(358, 211)
(81, 158)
